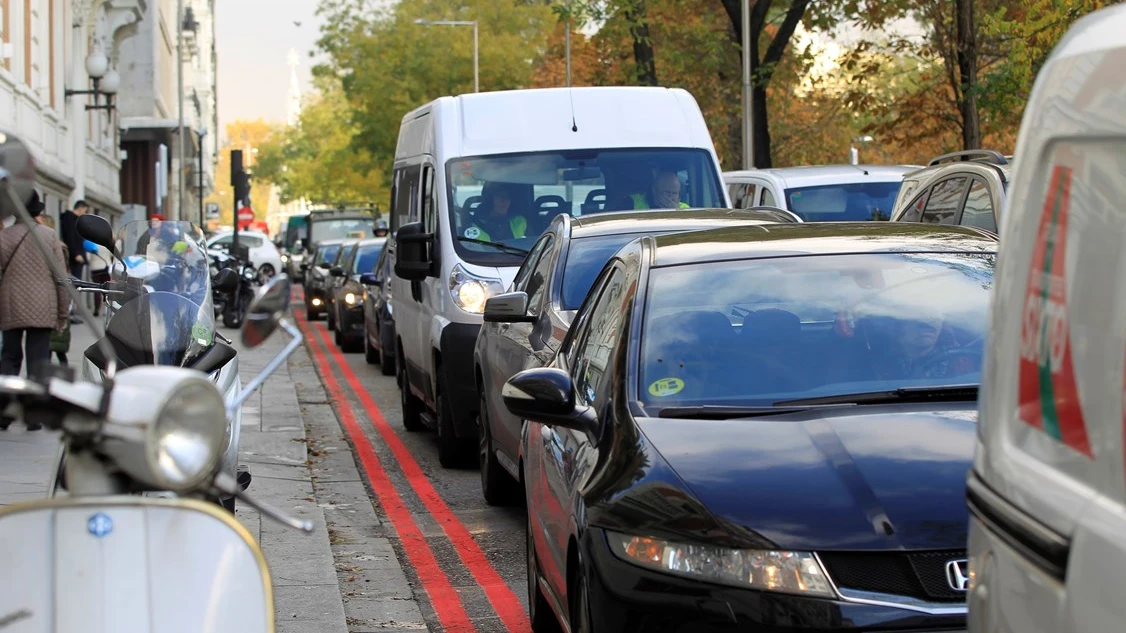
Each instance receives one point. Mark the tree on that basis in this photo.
(246, 136)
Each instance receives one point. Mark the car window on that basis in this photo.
(768, 198)
(365, 259)
(844, 202)
(250, 240)
(538, 281)
(914, 211)
(381, 268)
(753, 333)
(520, 281)
(979, 207)
(327, 253)
(224, 241)
(591, 368)
(945, 200)
(742, 195)
(585, 259)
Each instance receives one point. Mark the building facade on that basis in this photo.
(46, 49)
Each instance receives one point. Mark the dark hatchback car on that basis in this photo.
(762, 428)
(347, 303)
(317, 277)
(523, 328)
(379, 321)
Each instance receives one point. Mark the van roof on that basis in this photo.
(543, 119)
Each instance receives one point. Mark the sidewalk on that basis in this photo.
(273, 444)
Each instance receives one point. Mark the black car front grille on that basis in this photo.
(919, 575)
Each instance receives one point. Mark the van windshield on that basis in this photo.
(500, 204)
(341, 228)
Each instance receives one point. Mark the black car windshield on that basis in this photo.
(328, 253)
(585, 258)
(755, 333)
(510, 199)
(844, 202)
(340, 228)
(366, 258)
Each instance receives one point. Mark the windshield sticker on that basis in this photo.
(473, 232)
(1049, 396)
(666, 387)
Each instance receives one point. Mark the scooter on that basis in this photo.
(103, 559)
(145, 299)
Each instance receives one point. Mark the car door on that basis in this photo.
(518, 345)
(978, 209)
(946, 199)
(372, 294)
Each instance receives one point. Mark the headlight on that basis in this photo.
(184, 445)
(785, 572)
(470, 291)
(285, 259)
(350, 298)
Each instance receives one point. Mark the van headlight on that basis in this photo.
(469, 291)
(185, 442)
(766, 570)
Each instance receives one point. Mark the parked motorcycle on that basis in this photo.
(159, 312)
(102, 559)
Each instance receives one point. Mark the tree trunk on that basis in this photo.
(966, 53)
(762, 130)
(644, 59)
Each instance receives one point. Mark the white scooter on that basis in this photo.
(101, 559)
(151, 285)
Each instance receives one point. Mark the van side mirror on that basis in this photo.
(413, 258)
(511, 307)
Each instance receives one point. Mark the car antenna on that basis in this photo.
(574, 124)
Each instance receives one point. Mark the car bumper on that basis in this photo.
(456, 346)
(625, 597)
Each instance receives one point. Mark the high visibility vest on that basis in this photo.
(639, 202)
(517, 224)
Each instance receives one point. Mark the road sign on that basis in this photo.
(212, 210)
(246, 214)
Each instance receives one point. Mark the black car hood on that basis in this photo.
(827, 481)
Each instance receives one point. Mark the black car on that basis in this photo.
(317, 277)
(760, 428)
(347, 303)
(379, 322)
(523, 328)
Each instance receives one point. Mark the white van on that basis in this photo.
(1047, 492)
(478, 178)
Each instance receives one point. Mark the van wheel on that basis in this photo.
(451, 449)
(412, 406)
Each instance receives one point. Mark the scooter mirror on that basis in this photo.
(269, 305)
(17, 174)
(95, 229)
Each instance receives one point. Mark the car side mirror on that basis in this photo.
(336, 271)
(413, 260)
(324, 266)
(511, 307)
(370, 279)
(226, 280)
(96, 229)
(547, 395)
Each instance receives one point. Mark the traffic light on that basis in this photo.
(241, 182)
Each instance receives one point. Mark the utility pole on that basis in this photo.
(180, 140)
(202, 219)
(748, 92)
(237, 175)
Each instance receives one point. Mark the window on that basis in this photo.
(520, 281)
(844, 202)
(382, 270)
(979, 207)
(340, 228)
(366, 257)
(327, 254)
(945, 199)
(540, 282)
(768, 198)
(428, 216)
(511, 199)
(914, 212)
(742, 195)
(406, 186)
(586, 257)
(592, 365)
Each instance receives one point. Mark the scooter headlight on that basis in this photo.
(186, 441)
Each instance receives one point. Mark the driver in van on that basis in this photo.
(664, 194)
(495, 220)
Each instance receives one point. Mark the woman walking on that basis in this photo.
(32, 304)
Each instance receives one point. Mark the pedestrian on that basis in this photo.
(60, 339)
(68, 225)
(32, 304)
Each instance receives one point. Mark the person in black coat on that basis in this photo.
(68, 226)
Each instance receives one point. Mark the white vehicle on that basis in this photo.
(264, 253)
(478, 178)
(820, 193)
(1047, 492)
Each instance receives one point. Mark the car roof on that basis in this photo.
(813, 175)
(624, 222)
(368, 241)
(816, 238)
(333, 242)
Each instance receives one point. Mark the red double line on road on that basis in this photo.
(447, 604)
(501, 597)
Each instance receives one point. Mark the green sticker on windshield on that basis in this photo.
(666, 387)
(202, 334)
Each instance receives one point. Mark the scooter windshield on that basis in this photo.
(165, 314)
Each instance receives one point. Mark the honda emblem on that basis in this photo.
(957, 574)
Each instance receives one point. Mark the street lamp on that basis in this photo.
(748, 92)
(202, 219)
(106, 81)
(473, 23)
(853, 153)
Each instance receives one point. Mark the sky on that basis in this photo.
(253, 39)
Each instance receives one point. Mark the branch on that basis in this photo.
(785, 32)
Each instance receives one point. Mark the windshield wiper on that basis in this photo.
(720, 412)
(946, 393)
(497, 245)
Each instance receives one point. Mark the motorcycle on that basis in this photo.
(103, 559)
(159, 312)
(232, 304)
